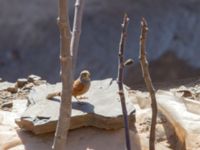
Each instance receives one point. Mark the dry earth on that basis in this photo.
(82, 138)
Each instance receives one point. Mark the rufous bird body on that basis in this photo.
(80, 86)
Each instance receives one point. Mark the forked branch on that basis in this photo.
(66, 77)
(68, 56)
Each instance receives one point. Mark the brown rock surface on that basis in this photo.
(21, 82)
(5, 85)
(101, 109)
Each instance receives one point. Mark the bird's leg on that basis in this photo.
(78, 100)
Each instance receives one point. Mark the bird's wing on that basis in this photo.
(78, 88)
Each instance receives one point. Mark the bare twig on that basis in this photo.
(66, 77)
(148, 82)
(79, 6)
(120, 78)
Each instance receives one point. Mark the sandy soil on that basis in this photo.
(89, 138)
(84, 138)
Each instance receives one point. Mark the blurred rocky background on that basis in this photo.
(29, 38)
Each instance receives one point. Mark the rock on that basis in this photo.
(39, 82)
(143, 100)
(12, 89)
(192, 105)
(186, 93)
(102, 108)
(21, 82)
(185, 123)
(7, 86)
(28, 86)
(32, 78)
(160, 133)
(7, 105)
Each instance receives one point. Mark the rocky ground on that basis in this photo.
(18, 90)
(166, 134)
(30, 38)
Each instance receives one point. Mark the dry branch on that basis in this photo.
(66, 77)
(68, 57)
(79, 6)
(120, 78)
(148, 82)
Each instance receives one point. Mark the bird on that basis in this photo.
(80, 86)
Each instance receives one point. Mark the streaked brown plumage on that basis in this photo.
(80, 85)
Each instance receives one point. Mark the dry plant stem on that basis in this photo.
(78, 14)
(66, 77)
(120, 79)
(148, 82)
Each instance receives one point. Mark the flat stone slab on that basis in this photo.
(186, 124)
(101, 109)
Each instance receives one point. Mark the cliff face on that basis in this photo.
(29, 37)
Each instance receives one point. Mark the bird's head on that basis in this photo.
(85, 75)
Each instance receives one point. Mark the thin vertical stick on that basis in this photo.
(66, 77)
(79, 6)
(148, 82)
(120, 79)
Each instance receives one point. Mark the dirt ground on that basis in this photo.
(14, 102)
(90, 138)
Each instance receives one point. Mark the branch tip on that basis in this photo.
(125, 15)
(126, 18)
(144, 24)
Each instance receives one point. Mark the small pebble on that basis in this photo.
(7, 104)
(39, 82)
(21, 82)
(28, 86)
(12, 89)
(32, 78)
